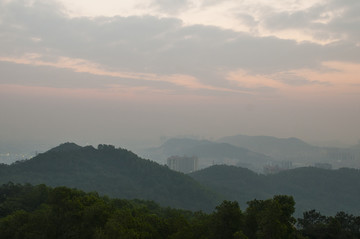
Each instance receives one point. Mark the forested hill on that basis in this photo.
(111, 171)
(328, 191)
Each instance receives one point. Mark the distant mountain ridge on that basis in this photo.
(209, 153)
(112, 171)
(297, 151)
(275, 147)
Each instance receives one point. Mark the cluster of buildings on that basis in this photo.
(272, 168)
(183, 164)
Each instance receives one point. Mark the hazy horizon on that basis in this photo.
(31, 147)
(133, 73)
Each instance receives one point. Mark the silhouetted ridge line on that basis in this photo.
(111, 171)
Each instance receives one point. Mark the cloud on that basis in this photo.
(153, 49)
(83, 66)
(173, 6)
(293, 79)
(326, 21)
(256, 83)
(271, 83)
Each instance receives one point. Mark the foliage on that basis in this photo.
(29, 212)
(271, 218)
(70, 213)
(317, 226)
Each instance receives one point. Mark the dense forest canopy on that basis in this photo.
(33, 212)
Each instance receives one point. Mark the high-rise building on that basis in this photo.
(183, 164)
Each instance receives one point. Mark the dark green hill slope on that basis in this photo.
(114, 172)
(328, 191)
(234, 183)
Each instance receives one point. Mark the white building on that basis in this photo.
(183, 164)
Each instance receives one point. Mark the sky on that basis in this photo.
(133, 73)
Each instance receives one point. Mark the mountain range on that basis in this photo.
(120, 173)
(209, 153)
(296, 151)
(257, 153)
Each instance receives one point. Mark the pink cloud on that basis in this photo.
(84, 66)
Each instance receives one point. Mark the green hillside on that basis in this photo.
(328, 191)
(114, 172)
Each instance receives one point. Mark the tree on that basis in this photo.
(342, 225)
(227, 220)
(270, 219)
